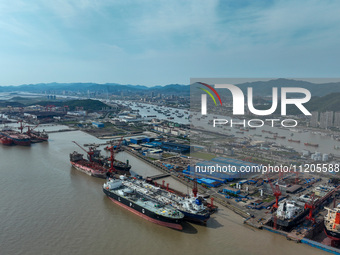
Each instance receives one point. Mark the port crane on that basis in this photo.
(21, 127)
(311, 207)
(90, 152)
(277, 193)
(112, 151)
(29, 129)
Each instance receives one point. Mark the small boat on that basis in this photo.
(312, 144)
(294, 141)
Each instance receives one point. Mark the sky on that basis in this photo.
(156, 42)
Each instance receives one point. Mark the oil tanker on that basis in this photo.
(138, 201)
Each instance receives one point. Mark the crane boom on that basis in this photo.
(90, 153)
(276, 192)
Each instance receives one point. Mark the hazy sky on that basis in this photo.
(159, 42)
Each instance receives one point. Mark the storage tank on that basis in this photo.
(305, 153)
(325, 157)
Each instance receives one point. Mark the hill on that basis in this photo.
(87, 104)
(112, 88)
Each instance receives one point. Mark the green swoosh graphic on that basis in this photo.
(209, 95)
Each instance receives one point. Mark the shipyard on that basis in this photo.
(273, 182)
(189, 127)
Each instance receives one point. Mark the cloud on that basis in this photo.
(168, 41)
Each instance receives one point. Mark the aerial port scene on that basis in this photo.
(110, 145)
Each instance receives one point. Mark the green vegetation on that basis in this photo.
(202, 155)
(167, 155)
(86, 104)
(12, 104)
(268, 199)
(329, 102)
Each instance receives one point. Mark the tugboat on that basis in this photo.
(137, 200)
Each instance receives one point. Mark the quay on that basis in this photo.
(164, 170)
(304, 237)
(158, 176)
(62, 130)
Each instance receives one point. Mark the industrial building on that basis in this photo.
(176, 147)
(98, 124)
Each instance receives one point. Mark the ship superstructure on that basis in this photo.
(290, 212)
(332, 223)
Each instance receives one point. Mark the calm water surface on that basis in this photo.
(47, 207)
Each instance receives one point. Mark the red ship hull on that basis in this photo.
(87, 169)
(5, 140)
(311, 144)
(16, 137)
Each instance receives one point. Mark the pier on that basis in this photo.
(62, 130)
(217, 197)
(158, 176)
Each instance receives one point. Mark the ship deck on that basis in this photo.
(151, 205)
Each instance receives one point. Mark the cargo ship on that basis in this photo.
(91, 168)
(37, 136)
(118, 166)
(294, 141)
(121, 167)
(16, 137)
(311, 144)
(192, 207)
(281, 137)
(96, 165)
(5, 140)
(289, 213)
(332, 223)
(138, 201)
